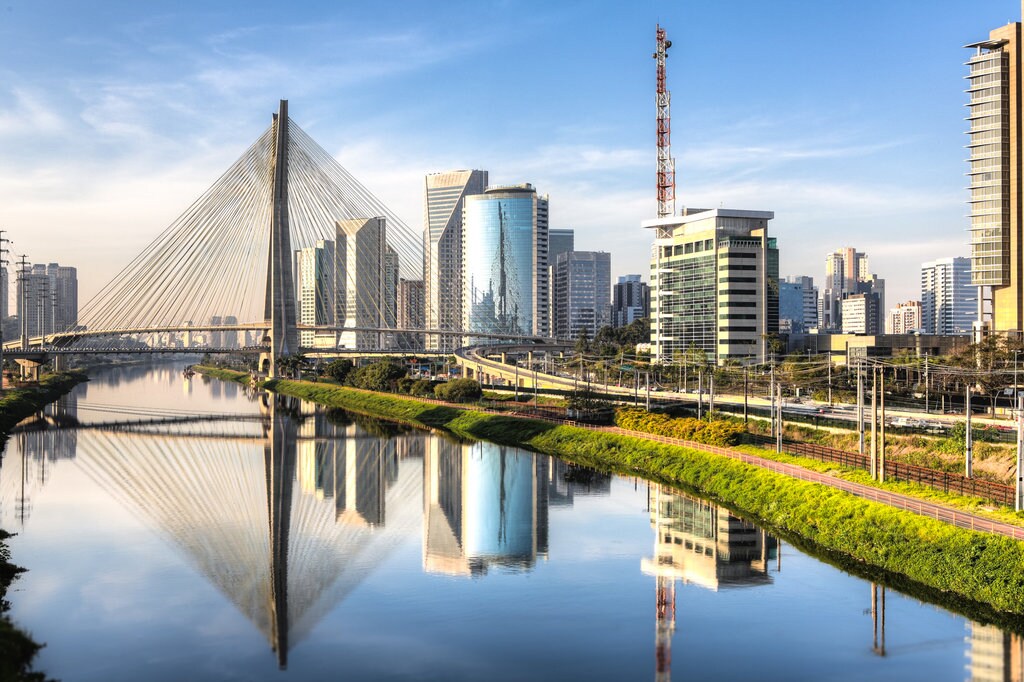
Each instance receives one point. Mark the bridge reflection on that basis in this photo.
(286, 512)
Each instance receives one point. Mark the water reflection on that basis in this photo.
(287, 509)
(994, 655)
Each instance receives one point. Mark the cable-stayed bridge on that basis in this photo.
(285, 253)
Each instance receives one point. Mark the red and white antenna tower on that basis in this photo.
(666, 164)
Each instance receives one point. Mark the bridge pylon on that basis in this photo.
(280, 301)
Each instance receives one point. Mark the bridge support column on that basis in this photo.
(29, 369)
(60, 363)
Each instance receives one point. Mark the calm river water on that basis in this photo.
(182, 530)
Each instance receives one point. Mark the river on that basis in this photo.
(184, 529)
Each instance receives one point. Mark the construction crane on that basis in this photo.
(666, 164)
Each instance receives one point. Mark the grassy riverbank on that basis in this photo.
(17, 649)
(983, 570)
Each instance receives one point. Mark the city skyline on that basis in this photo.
(117, 118)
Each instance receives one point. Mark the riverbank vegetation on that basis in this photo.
(981, 569)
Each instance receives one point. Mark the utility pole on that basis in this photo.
(1019, 492)
(771, 395)
(968, 441)
(700, 394)
(517, 380)
(647, 380)
(830, 378)
(874, 423)
(744, 395)
(778, 422)
(3, 264)
(926, 411)
(860, 407)
(23, 313)
(711, 393)
(881, 445)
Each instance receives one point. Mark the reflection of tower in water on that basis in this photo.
(484, 505)
(256, 514)
(700, 543)
(995, 655)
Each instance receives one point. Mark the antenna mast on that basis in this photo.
(666, 164)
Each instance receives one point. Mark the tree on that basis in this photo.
(339, 369)
(380, 376)
(459, 390)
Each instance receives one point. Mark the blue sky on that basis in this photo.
(845, 118)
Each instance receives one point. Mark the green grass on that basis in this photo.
(18, 403)
(981, 570)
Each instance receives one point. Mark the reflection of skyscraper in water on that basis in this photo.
(701, 543)
(252, 513)
(484, 505)
(565, 481)
(42, 440)
(995, 655)
(349, 466)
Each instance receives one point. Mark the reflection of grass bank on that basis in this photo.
(18, 403)
(976, 572)
(17, 649)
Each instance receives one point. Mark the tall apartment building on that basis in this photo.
(580, 291)
(47, 299)
(411, 313)
(631, 300)
(319, 287)
(714, 284)
(995, 120)
(904, 318)
(505, 256)
(366, 263)
(444, 200)
(847, 273)
(949, 302)
(5, 295)
(860, 314)
(798, 304)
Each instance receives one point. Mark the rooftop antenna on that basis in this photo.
(666, 164)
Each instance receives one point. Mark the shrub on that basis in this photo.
(380, 376)
(717, 432)
(459, 390)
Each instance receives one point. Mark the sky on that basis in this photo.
(844, 118)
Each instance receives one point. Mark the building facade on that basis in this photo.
(444, 200)
(363, 258)
(949, 301)
(631, 300)
(995, 157)
(798, 304)
(47, 299)
(860, 314)
(319, 286)
(714, 285)
(560, 240)
(580, 291)
(411, 313)
(505, 256)
(904, 318)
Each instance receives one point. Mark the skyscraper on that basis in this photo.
(714, 284)
(47, 298)
(560, 240)
(363, 257)
(505, 256)
(798, 304)
(904, 318)
(580, 290)
(319, 286)
(996, 183)
(444, 197)
(949, 303)
(631, 300)
(847, 273)
(410, 312)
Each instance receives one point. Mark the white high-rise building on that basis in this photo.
(444, 198)
(318, 285)
(363, 257)
(904, 318)
(949, 301)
